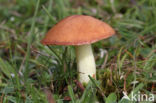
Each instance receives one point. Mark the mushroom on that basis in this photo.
(80, 31)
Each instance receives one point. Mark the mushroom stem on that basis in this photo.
(85, 63)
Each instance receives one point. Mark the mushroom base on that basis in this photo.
(85, 63)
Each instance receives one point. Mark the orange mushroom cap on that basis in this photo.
(78, 30)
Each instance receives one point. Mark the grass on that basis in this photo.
(29, 71)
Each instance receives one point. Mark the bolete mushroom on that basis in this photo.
(80, 31)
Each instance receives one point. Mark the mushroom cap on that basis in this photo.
(78, 30)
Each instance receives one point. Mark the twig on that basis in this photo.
(21, 67)
(41, 53)
(15, 13)
(1, 99)
(79, 85)
(125, 78)
(9, 30)
(49, 95)
(105, 61)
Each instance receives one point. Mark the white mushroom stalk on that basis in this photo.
(85, 62)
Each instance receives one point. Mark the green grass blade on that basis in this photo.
(30, 38)
(5, 68)
(71, 93)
